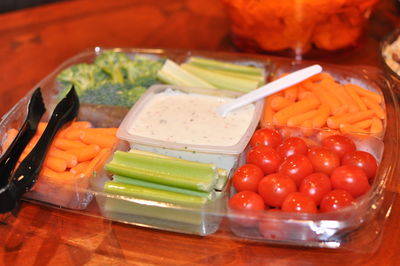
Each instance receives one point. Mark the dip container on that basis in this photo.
(223, 156)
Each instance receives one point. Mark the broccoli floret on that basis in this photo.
(82, 76)
(112, 63)
(142, 67)
(112, 94)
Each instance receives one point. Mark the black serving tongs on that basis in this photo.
(24, 177)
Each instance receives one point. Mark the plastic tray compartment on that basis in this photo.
(361, 223)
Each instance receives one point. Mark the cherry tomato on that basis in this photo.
(247, 204)
(316, 186)
(350, 178)
(362, 159)
(274, 188)
(297, 167)
(292, 145)
(339, 144)
(267, 137)
(323, 159)
(299, 202)
(264, 157)
(247, 177)
(335, 200)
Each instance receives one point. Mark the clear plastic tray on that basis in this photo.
(355, 228)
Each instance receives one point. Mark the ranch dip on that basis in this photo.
(191, 118)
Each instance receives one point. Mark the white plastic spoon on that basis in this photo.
(270, 88)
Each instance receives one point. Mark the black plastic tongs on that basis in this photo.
(13, 186)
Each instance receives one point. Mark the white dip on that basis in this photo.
(191, 119)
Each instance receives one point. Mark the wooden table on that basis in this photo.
(35, 41)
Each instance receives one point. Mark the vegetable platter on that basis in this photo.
(128, 177)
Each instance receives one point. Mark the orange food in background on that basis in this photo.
(321, 102)
(297, 24)
(77, 151)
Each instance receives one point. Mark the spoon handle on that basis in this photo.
(270, 88)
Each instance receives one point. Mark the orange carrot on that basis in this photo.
(73, 134)
(376, 126)
(281, 117)
(306, 128)
(345, 97)
(356, 98)
(55, 164)
(103, 140)
(102, 130)
(322, 115)
(85, 153)
(350, 118)
(10, 136)
(41, 127)
(305, 94)
(298, 119)
(97, 162)
(291, 93)
(364, 124)
(55, 176)
(80, 124)
(362, 92)
(373, 105)
(324, 96)
(321, 76)
(79, 168)
(279, 102)
(351, 129)
(268, 113)
(66, 144)
(69, 158)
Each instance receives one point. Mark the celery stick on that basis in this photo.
(161, 196)
(168, 179)
(260, 79)
(137, 182)
(172, 73)
(222, 81)
(171, 166)
(215, 64)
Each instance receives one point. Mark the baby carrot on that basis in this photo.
(373, 105)
(41, 127)
(345, 97)
(279, 102)
(322, 115)
(291, 93)
(55, 176)
(79, 168)
(321, 76)
(55, 164)
(268, 113)
(376, 126)
(97, 162)
(10, 136)
(66, 144)
(305, 94)
(366, 93)
(350, 118)
(356, 98)
(281, 117)
(306, 128)
(107, 130)
(298, 119)
(351, 129)
(324, 96)
(85, 153)
(364, 124)
(69, 158)
(80, 124)
(103, 140)
(73, 134)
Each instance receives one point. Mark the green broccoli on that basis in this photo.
(112, 63)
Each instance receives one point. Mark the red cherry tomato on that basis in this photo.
(335, 200)
(339, 144)
(247, 204)
(274, 188)
(316, 186)
(247, 177)
(264, 157)
(323, 159)
(362, 159)
(267, 137)
(299, 202)
(297, 167)
(350, 178)
(291, 146)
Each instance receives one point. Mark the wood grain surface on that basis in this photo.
(35, 41)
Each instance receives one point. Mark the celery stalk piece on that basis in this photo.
(260, 79)
(152, 194)
(137, 182)
(173, 172)
(222, 81)
(172, 73)
(231, 67)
